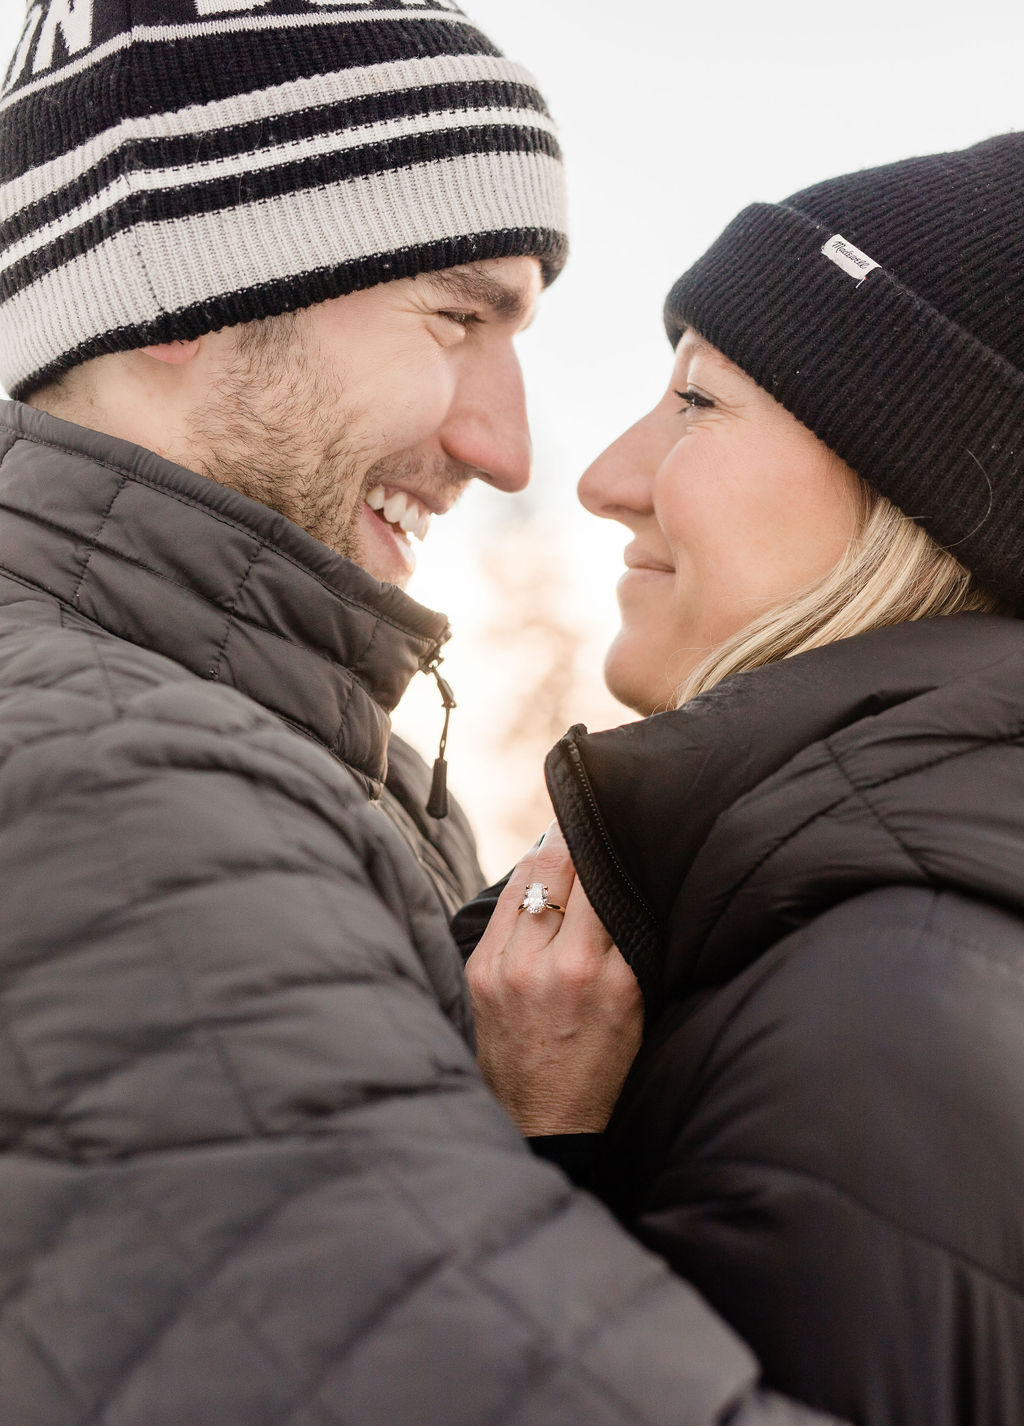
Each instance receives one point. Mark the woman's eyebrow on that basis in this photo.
(694, 341)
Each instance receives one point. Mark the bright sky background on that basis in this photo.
(673, 117)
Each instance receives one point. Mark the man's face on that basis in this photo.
(363, 416)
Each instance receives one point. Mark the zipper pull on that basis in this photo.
(437, 806)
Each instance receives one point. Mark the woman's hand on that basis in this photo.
(559, 1013)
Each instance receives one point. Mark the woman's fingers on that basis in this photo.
(514, 936)
(558, 1011)
(547, 865)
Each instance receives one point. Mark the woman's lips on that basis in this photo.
(642, 568)
(639, 561)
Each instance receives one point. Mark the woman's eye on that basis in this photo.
(693, 400)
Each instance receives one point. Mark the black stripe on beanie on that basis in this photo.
(235, 190)
(184, 149)
(924, 410)
(272, 299)
(156, 78)
(111, 18)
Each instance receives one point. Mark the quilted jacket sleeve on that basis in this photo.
(248, 1173)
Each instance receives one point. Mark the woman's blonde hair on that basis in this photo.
(892, 572)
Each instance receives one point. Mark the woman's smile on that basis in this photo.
(640, 561)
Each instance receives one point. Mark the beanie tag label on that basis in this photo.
(853, 262)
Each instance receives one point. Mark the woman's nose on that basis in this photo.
(619, 484)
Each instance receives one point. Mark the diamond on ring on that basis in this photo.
(535, 899)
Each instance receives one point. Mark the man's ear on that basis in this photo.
(173, 353)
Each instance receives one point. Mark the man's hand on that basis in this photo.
(559, 1013)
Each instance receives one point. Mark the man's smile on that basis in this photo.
(391, 515)
(403, 511)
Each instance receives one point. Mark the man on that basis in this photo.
(262, 267)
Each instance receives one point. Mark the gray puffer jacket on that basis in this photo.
(249, 1175)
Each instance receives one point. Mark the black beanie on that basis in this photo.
(169, 167)
(885, 310)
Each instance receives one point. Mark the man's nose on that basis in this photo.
(487, 427)
(619, 483)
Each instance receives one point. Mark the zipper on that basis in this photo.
(583, 780)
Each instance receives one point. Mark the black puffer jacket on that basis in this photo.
(249, 1175)
(818, 872)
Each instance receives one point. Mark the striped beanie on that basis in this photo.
(171, 167)
(885, 310)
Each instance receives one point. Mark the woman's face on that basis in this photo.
(734, 507)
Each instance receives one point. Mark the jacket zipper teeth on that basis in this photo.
(624, 877)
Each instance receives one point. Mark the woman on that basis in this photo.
(813, 863)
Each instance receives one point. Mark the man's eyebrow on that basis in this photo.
(476, 289)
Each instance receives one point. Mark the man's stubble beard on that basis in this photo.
(276, 429)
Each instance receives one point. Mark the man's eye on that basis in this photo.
(692, 400)
(461, 319)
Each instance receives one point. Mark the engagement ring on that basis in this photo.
(536, 900)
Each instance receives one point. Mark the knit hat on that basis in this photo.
(885, 310)
(171, 167)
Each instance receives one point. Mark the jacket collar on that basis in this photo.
(704, 834)
(178, 564)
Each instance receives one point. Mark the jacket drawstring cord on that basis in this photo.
(437, 807)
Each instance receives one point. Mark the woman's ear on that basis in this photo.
(173, 353)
